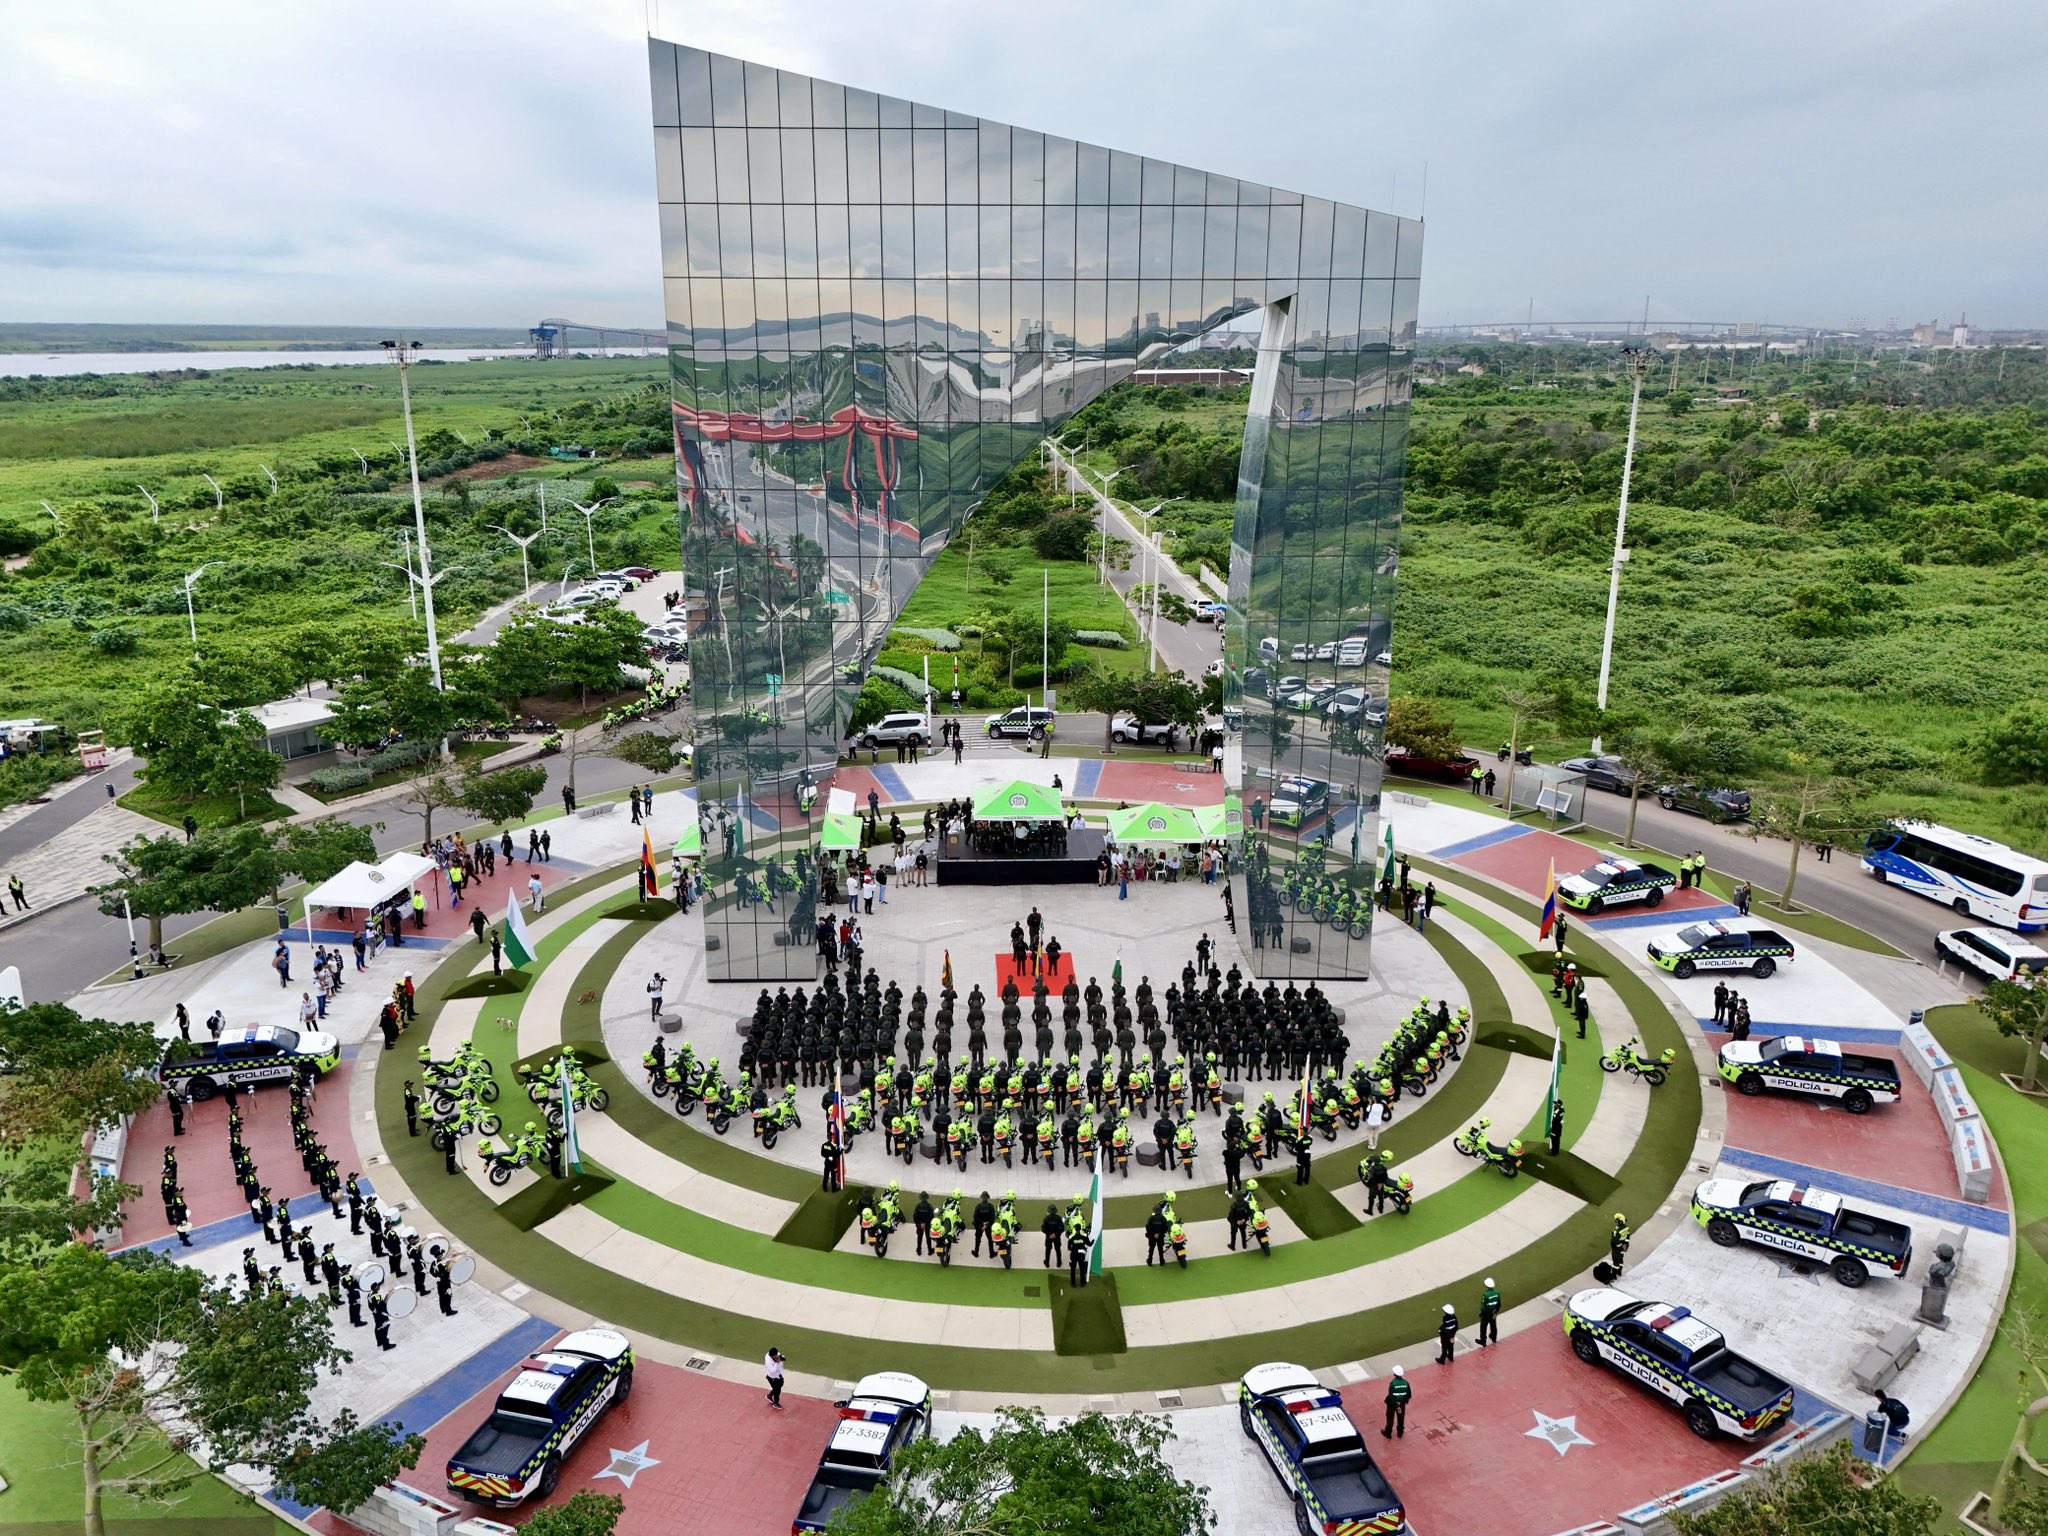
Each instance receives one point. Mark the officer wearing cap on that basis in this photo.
(1398, 1393)
(1489, 1314)
(1447, 1335)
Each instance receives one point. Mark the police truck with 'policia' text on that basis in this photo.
(1679, 1358)
(1820, 1068)
(544, 1411)
(1719, 947)
(1807, 1223)
(1317, 1453)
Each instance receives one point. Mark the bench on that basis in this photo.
(1879, 1365)
(602, 808)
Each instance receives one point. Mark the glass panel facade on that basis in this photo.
(875, 309)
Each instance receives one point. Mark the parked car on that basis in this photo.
(1714, 804)
(1351, 654)
(1128, 728)
(1453, 770)
(1317, 1452)
(626, 579)
(589, 597)
(538, 1419)
(1609, 773)
(1298, 801)
(1384, 659)
(1806, 1222)
(1820, 1069)
(1681, 1359)
(1255, 681)
(1327, 651)
(1026, 720)
(903, 727)
(1992, 953)
(887, 1411)
(1211, 613)
(1352, 703)
(1302, 652)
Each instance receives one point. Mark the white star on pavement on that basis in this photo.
(626, 1465)
(1562, 1433)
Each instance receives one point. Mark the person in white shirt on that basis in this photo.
(773, 1366)
(654, 989)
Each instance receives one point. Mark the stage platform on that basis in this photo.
(1074, 867)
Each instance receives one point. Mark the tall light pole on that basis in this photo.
(1102, 520)
(1152, 562)
(191, 620)
(273, 477)
(360, 459)
(53, 516)
(401, 353)
(525, 581)
(1637, 360)
(153, 511)
(219, 501)
(589, 534)
(412, 598)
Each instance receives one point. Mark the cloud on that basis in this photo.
(465, 162)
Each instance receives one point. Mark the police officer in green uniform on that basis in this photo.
(1398, 1392)
(1489, 1314)
(1617, 1241)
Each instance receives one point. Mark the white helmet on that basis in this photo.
(1489, 1282)
(1449, 1309)
(1398, 1371)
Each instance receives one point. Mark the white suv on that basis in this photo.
(1129, 728)
(1993, 954)
(1029, 720)
(904, 727)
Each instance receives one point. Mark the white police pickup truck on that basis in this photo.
(1317, 1453)
(1679, 1358)
(1809, 1223)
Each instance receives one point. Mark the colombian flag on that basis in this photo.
(647, 875)
(946, 973)
(1549, 904)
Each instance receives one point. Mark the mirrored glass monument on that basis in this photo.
(875, 309)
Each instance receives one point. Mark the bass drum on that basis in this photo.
(461, 1268)
(372, 1275)
(436, 1244)
(402, 1302)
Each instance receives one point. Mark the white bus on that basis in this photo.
(1974, 875)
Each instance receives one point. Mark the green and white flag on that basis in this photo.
(1556, 1082)
(1116, 971)
(1387, 857)
(518, 942)
(572, 1154)
(1095, 1217)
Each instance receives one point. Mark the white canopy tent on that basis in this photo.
(367, 885)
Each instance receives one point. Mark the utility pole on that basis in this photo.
(525, 581)
(401, 353)
(1637, 360)
(191, 622)
(153, 511)
(590, 537)
(219, 503)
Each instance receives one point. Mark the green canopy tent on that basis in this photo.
(841, 832)
(1154, 825)
(1221, 821)
(1019, 800)
(691, 844)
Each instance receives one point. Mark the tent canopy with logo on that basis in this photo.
(367, 885)
(1225, 820)
(1154, 825)
(1019, 800)
(841, 832)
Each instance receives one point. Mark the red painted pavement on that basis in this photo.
(728, 1462)
(1055, 981)
(1467, 1464)
(203, 1168)
(1139, 782)
(1906, 1143)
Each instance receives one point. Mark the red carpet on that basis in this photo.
(1055, 981)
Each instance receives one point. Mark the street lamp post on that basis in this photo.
(525, 582)
(219, 501)
(273, 477)
(1152, 564)
(401, 353)
(1637, 360)
(589, 534)
(153, 517)
(1102, 517)
(53, 516)
(191, 619)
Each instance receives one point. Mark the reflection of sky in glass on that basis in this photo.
(876, 308)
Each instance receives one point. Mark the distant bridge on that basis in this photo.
(559, 338)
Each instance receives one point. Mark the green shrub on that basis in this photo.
(116, 640)
(1103, 639)
(910, 682)
(937, 639)
(332, 781)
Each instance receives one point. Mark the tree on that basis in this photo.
(585, 1514)
(223, 869)
(1025, 1478)
(1642, 754)
(2015, 750)
(502, 797)
(656, 751)
(427, 791)
(39, 1207)
(1422, 728)
(1523, 709)
(156, 1366)
(1817, 803)
(320, 849)
(239, 760)
(1824, 1495)
(69, 1074)
(2019, 1012)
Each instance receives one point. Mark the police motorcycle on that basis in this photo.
(674, 1071)
(526, 1150)
(773, 1118)
(1629, 1057)
(464, 1070)
(478, 1086)
(1524, 755)
(695, 1084)
(1473, 1143)
(463, 1118)
(1401, 1192)
(722, 1104)
(1262, 1226)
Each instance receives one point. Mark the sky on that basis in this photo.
(453, 162)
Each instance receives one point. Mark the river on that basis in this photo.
(19, 365)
